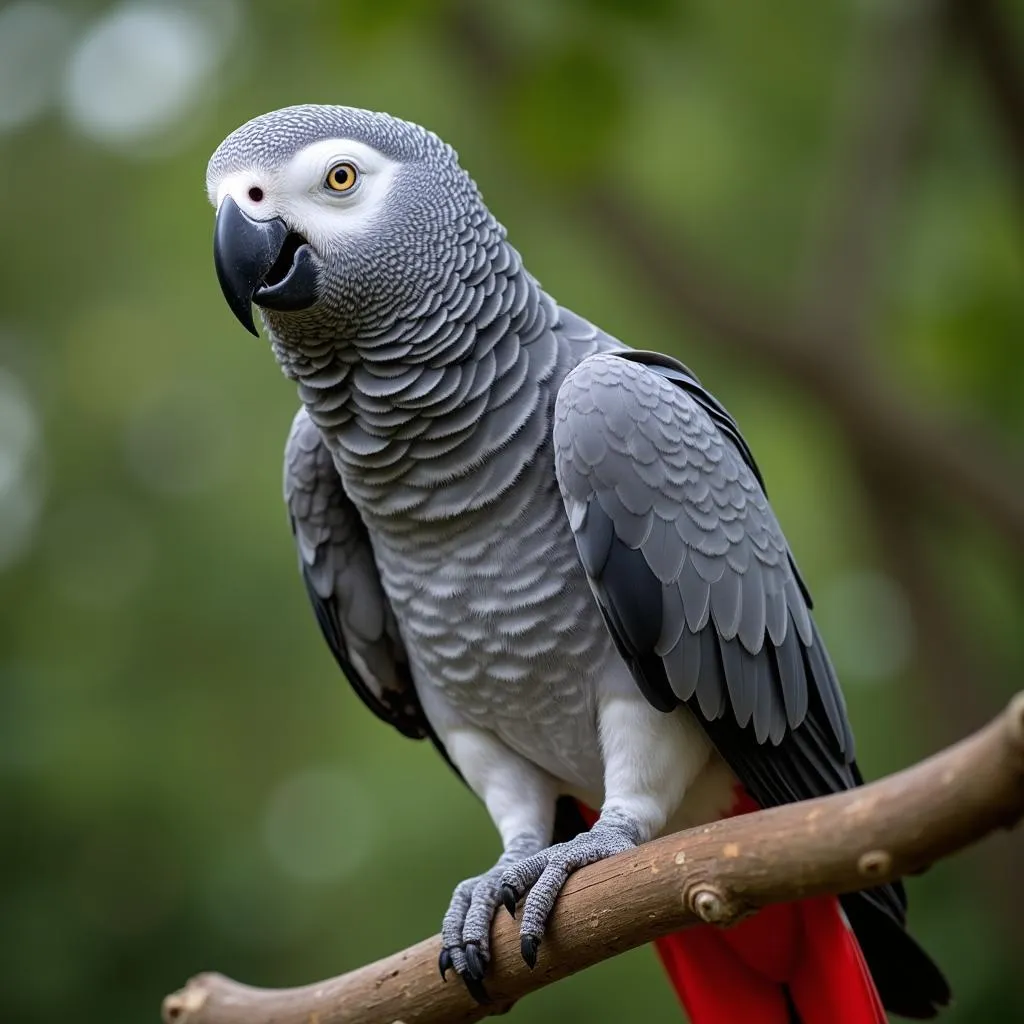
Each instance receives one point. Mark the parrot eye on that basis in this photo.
(342, 177)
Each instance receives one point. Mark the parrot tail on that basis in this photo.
(791, 963)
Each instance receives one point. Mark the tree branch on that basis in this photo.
(715, 874)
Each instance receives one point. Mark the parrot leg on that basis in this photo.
(546, 872)
(466, 928)
(650, 761)
(520, 798)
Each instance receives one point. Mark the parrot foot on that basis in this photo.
(545, 873)
(466, 928)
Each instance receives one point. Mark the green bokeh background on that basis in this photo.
(186, 781)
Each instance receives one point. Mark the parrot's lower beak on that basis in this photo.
(261, 261)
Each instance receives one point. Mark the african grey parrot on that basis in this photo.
(549, 553)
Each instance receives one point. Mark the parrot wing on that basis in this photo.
(341, 578)
(702, 596)
(693, 574)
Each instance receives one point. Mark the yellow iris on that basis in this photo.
(342, 177)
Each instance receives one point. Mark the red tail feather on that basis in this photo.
(792, 962)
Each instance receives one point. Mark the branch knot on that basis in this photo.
(712, 906)
(179, 1006)
(874, 863)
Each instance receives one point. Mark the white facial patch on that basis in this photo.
(297, 192)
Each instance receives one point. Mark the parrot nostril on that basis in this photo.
(256, 194)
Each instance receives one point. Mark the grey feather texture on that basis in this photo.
(694, 508)
(474, 464)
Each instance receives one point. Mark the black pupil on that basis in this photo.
(255, 193)
(342, 176)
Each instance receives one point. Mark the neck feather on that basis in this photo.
(417, 413)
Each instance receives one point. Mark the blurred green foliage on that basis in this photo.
(187, 783)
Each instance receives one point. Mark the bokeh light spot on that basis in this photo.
(20, 479)
(18, 430)
(141, 69)
(33, 41)
(319, 825)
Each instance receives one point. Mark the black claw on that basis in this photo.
(476, 963)
(444, 963)
(509, 897)
(528, 946)
(476, 989)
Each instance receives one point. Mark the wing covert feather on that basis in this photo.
(690, 566)
(675, 531)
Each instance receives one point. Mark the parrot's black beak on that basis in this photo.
(261, 261)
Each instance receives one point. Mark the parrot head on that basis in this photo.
(333, 219)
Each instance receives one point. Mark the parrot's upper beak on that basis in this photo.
(261, 261)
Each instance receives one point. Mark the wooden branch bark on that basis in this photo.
(714, 874)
